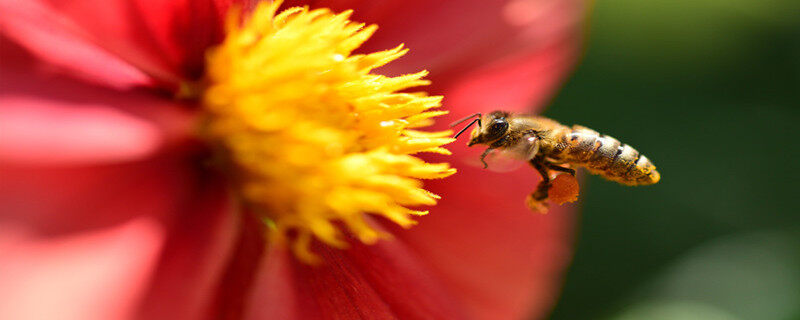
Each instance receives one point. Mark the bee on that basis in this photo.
(550, 146)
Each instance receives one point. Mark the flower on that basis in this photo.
(112, 207)
(311, 136)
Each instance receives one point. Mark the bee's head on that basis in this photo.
(492, 127)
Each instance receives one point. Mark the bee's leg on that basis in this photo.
(483, 156)
(537, 200)
(555, 167)
(541, 190)
(541, 167)
(501, 143)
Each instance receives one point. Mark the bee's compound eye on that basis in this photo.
(497, 129)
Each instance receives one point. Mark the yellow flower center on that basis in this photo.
(310, 135)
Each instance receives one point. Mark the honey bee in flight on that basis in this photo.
(550, 146)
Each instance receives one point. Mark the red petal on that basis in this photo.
(185, 281)
(497, 258)
(82, 243)
(275, 295)
(522, 83)
(241, 267)
(69, 122)
(381, 281)
(482, 55)
(500, 260)
(335, 290)
(166, 39)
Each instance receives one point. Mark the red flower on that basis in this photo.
(107, 211)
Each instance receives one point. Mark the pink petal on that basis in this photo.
(498, 259)
(381, 281)
(89, 275)
(55, 42)
(68, 122)
(82, 243)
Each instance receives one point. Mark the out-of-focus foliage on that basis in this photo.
(710, 91)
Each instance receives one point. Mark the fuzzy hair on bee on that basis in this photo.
(550, 146)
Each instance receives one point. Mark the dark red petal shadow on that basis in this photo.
(194, 259)
(234, 286)
(381, 281)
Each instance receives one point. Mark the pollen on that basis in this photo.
(317, 144)
(564, 188)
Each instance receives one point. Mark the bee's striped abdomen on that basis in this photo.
(606, 156)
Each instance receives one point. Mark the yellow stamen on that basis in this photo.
(310, 135)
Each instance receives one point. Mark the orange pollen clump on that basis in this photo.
(564, 188)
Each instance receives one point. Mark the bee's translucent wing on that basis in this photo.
(526, 149)
(513, 157)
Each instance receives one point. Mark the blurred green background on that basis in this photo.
(710, 91)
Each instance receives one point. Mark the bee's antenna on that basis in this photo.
(478, 120)
(467, 118)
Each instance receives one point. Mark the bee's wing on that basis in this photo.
(513, 157)
(525, 149)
